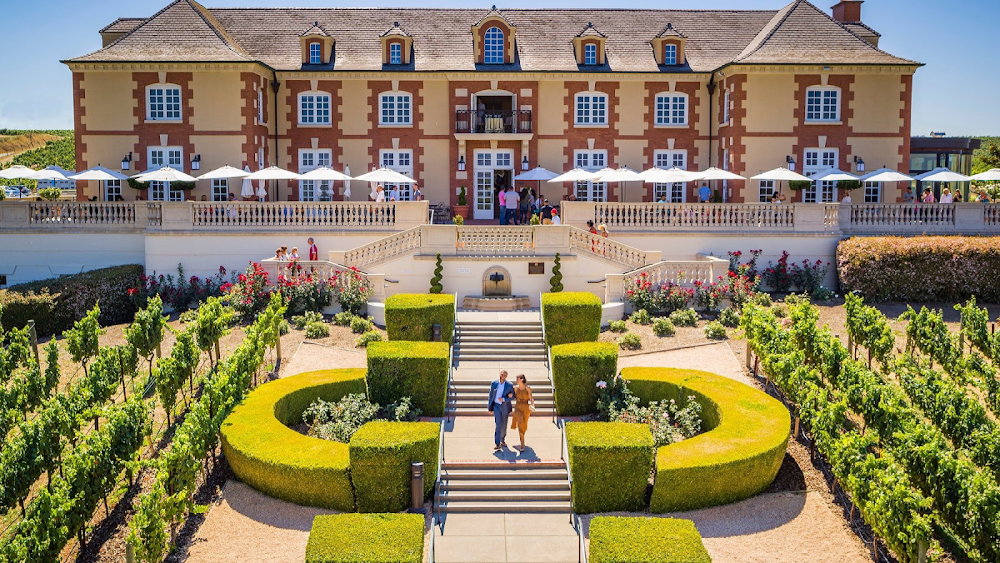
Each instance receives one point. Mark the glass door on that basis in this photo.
(484, 195)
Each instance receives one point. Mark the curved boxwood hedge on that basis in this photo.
(610, 462)
(381, 454)
(409, 316)
(366, 538)
(276, 460)
(736, 458)
(418, 370)
(645, 540)
(576, 369)
(571, 316)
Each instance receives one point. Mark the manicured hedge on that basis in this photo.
(409, 316)
(571, 317)
(77, 294)
(276, 460)
(381, 454)
(418, 370)
(576, 369)
(737, 456)
(16, 309)
(921, 268)
(366, 538)
(645, 540)
(610, 462)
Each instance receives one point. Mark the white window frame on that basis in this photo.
(494, 46)
(816, 160)
(315, 108)
(260, 158)
(872, 192)
(315, 53)
(817, 109)
(220, 189)
(397, 160)
(395, 108)
(725, 107)
(311, 159)
(395, 53)
(676, 192)
(765, 189)
(591, 161)
(590, 54)
(163, 102)
(260, 106)
(670, 54)
(158, 157)
(671, 109)
(112, 189)
(591, 109)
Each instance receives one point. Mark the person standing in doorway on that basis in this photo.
(313, 250)
(501, 394)
(512, 203)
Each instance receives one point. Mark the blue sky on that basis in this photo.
(954, 93)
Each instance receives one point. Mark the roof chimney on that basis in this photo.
(848, 11)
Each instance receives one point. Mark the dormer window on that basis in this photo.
(395, 54)
(590, 54)
(589, 46)
(315, 54)
(317, 46)
(397, 45)
(493, 47)
(670, 54)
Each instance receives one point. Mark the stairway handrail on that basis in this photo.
(548, 358)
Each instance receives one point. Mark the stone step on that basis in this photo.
(539, 393)
(498, 328)
(505, 323)
(521, 506)
(489, 475)
(481, 411)
(476, 337)
(559, 484)
(500, 345)
(492, 465)
(515, 494)
(542, 386)
(506, 356)
(481, 404)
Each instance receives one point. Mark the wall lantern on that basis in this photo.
(791, 163)
(461, 163)
(524, 163)
(126, 161)
(860, 164)
(196, 162)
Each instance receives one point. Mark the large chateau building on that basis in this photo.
(470, 98)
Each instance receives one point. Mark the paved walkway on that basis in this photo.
(506, 538)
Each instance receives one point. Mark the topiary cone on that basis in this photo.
(436, 286)
(555, 283)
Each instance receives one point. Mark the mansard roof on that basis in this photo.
(122, 25)
(799, 33)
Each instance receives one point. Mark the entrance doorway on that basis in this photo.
(493, 168)
(496, 282)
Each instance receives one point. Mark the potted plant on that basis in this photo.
(462, 207)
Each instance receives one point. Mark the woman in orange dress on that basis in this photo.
(522, 408)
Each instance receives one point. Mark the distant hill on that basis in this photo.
(37, 149)
(987, 156)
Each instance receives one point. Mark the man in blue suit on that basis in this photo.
(501, 395)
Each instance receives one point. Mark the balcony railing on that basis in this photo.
(493, 122)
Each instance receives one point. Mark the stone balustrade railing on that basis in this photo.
(322, 270)
(381, 250)
(599, 246)
(721, 216)
(705, 269)
(211, 216)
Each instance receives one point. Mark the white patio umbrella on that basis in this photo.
(273, 173)
(224, 173)
(324, 173)
(51, 173)
(833, 175)
(781, 174)
(246, 190)
(714, 173)
(668, 175)
(537, 175)
(386, 175)
(574, 175)
(165, 174)
(992, 175)
(347, 183)
(622, 175)
(942, 175)
(261, 192)
(98, 173)
(17, 172)
(885, 175)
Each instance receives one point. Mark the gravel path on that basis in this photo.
(772, 528)
(311, 356)
(716, 358)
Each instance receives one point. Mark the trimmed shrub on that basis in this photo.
(610, 462)
(436, 286)
(317, 330)
(730, 318)
(16, 309)
(409, 316)
(762, 299)
(641, 317)
(367, 338)
(419, 370)
(663, 327)
(381, 454)
(630, 341)
(307, 318)
(737, 456)
(571, 316)
(361, 325)
(76, 294)
(617, 326)
(343, 318)
(645, 540)
(278, 461)
(555, 282)
(715, 331)
(576, 369)
(920, 269)
(684, 317)
(366, 538)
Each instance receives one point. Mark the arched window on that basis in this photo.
(590, 54)
(670, 54)
(823, 103)
(163, 101)
(671, 109)
(395, 54)
(314, 108)
(315, 53)
(493, 47)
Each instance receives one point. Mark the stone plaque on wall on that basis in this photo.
(536, 267)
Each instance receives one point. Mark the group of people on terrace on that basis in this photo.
(946, 196)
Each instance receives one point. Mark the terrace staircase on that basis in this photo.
(508, 487)
(519, 341)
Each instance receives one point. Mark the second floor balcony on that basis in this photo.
(494, 122)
